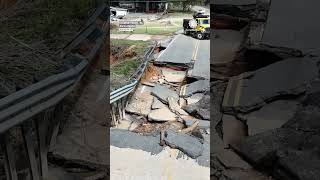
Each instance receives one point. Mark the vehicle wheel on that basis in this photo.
(200, 35)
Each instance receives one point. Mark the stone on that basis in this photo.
(271, 116)
(195, 87)
(194, 98)
(173, 76)
(200, 109)
(313, 95)
(157, 104)
(238, 174)
(174, 107)
(162, 93)
(126, 139)
(141, 101)
(234, 131)
(189, 145)
(162, 115)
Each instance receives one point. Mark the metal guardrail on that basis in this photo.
(37, 104)
(127, 89)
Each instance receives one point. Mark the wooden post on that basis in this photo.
(10, 163)
(30, 146)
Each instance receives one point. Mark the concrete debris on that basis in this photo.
(189, 145)
(161, 115)
(174, 107)
(157, 104)
(191, 128)
(189, 120)
(127, 139)
(173, 76)
(141, 101)
(271, 116)
(162, 93)
(234, 131)
(200, 109)
(244, 95)
(195, 87)
(194, 98)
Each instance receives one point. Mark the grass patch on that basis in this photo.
(140, 46)
(47, 19)
(125, 68)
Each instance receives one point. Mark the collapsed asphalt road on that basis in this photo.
(170, 107)
(265, 109)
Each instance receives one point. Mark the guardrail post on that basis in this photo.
(30, 146)
(10, 163)
(42, 123)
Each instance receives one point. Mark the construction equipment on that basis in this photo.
(199, 26)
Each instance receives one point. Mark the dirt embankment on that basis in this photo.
(125, 58)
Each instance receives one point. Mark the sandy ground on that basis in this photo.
(164, 166)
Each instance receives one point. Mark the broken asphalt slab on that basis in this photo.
(141, 101)
(157, 104)
(162, 115)
(127, 139)
(200, 109)
(270, 116)
(179, 51)
(195, 87)
(201, 67)
(162, 93)
(282, 29)
(189, 145)
(253, 90)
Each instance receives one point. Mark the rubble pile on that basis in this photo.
(169, 107)
(265, 107)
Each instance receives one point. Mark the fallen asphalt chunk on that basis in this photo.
(162, 93)
(162, 115)
(271, 116)
(174, 107)
(262, 149)
(157, 104)
(189, 145)
(127, 139)
(141, 101)
(289, 77)
(195, 87)
(189, 120)
(200, 109)
(194, 98)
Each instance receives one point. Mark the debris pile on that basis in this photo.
(265, 98)
(170, 106)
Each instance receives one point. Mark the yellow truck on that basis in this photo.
(198, 27)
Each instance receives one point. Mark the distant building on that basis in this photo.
(149, 6)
